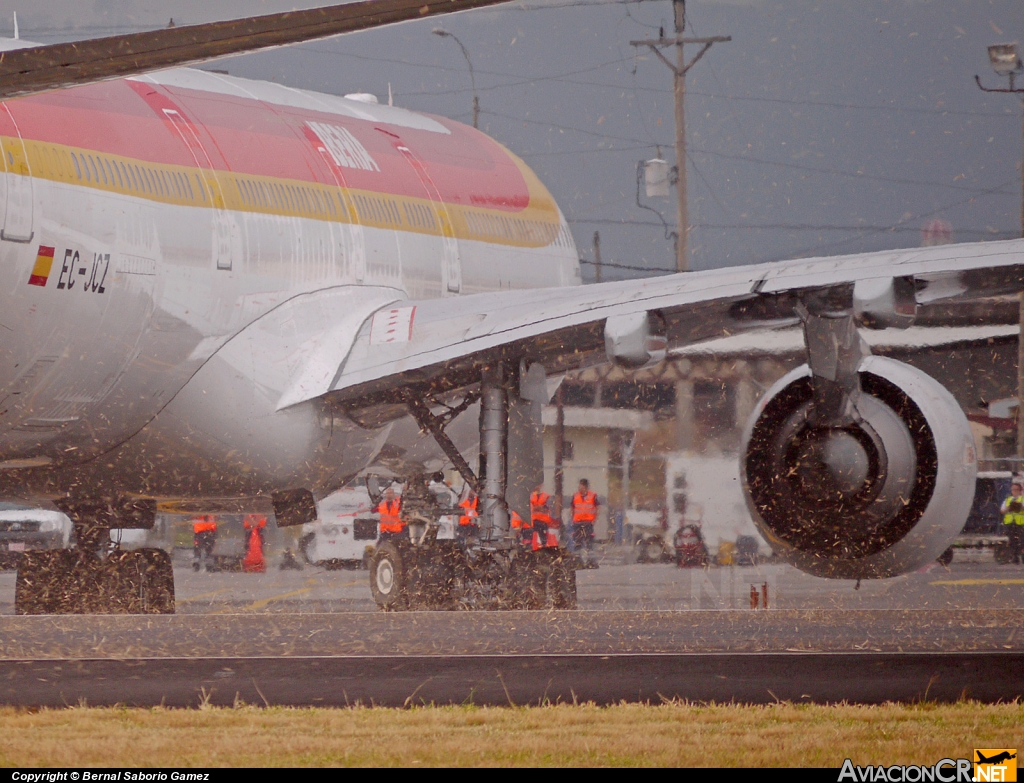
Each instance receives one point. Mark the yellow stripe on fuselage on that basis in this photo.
(538, 225)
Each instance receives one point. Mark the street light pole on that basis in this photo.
(472, 79)
(1006, 61)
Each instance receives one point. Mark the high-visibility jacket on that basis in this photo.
(520, 526)
(390, 521)
(204, 524)
(584, 507)
(1016, 516)
(471, 506)
(539, 508)
(545, 527)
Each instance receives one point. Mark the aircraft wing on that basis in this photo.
(444, 342)
(32, 69)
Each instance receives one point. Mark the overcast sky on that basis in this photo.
(823, 127)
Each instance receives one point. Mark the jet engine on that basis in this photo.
(881, 495)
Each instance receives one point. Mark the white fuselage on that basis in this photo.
(209, 259)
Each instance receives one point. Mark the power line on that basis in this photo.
(895, 229)
(747, 158)
(830, 245)
(857, 174)
(794, 101)
(653, 270)
(433, 66)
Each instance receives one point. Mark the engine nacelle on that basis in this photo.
(875, 499)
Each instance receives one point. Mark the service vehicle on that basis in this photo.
(27, 529)
(345, 530)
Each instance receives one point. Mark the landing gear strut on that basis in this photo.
(496, 571)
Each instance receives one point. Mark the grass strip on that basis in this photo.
(670, 734)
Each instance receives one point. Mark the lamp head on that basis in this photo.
(1004, 58)
(444, 33)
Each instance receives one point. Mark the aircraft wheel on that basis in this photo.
(946, 557)
(388, 577)
(159, 595)
(40, 586)
(527, 582)
(137, 582)
(564, 586)
(557, 580)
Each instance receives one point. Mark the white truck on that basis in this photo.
(344, 533)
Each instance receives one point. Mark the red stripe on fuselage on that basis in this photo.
(245, 135)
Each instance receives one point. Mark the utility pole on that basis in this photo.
(679, 69)
(1006, 61)
(597, 256)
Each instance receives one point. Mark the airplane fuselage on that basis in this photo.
(183, 255)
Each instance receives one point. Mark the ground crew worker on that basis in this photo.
(584, 515)
(390, 510)
(545, 529)
(1013, 518)
(520, 530)
(204, 536)
(468, 525)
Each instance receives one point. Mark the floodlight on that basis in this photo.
(1004, 58)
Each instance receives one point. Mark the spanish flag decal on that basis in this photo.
(41, 271)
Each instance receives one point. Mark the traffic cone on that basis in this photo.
(254, 562)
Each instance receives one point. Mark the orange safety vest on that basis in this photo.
(539, 508)
(472, 511)
(584, 507)
(524, 530)
(204, 524)
(390, 522)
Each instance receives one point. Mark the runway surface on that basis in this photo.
(644, 632)
(398, 681)
(972, 581)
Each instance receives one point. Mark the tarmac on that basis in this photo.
(643, 632)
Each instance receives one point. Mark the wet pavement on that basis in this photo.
(643, 631)
(972, 581)
(624, 609)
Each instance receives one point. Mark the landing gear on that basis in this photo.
(77, 581)
(491, 570)
(405, 577)
(388, 577)
(545, 579)
(91, 579)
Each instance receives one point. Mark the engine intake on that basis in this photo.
(876, 498)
